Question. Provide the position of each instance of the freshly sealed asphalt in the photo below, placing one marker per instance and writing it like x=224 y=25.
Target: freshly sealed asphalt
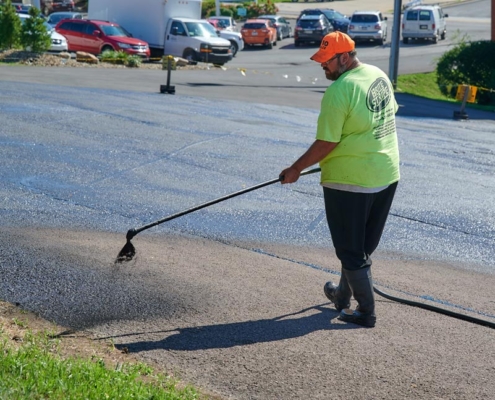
x=229 y=297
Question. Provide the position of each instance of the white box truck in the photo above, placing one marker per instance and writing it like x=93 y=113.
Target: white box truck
x=171 y=27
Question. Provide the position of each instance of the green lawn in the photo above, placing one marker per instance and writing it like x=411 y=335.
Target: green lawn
x=35 y=370
x=425 y=85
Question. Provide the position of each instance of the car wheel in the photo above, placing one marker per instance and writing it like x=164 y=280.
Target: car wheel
x=189 y=55
x=405 y=40
x=234 y=48
x=106 y=48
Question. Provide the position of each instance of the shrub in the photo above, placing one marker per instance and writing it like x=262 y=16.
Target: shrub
x=121 y=57
x=225 y=12
x=34 y=35
x=134 y=61
x=471 y=64
x=253 y=10
x=10 y=26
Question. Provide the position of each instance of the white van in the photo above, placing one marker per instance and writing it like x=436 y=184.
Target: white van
x=424 y=22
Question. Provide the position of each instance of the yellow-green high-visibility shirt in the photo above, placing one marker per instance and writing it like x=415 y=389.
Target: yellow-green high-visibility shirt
x=358 y=112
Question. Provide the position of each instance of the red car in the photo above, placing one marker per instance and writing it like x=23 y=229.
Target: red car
x=93 y=36
x=218 y=24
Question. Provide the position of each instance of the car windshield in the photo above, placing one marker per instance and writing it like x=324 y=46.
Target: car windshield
x=311 y=12
x=331 y=14
x=114 y=30
x=48 y=27
x=201 y=29
x=424 y=15
x=412 y=15
x=309 y=23
x=364 y=18
x=53 y=19
x=225 y=21
x=254 y=25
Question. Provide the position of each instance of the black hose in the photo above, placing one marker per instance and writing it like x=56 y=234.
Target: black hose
x=436 y=309
x=129 y=251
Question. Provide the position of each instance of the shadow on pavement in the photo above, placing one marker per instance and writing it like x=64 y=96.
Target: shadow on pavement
x=415 y=106
x=242 y=333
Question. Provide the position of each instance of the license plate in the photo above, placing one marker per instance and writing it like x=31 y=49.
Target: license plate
x=254 y=33
x=364 y=28
x=423 y=27
x=308 y=31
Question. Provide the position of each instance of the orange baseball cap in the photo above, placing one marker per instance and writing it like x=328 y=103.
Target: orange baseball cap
x=333 y=43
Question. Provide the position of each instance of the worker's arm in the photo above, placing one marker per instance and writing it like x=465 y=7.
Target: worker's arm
x=316 y=152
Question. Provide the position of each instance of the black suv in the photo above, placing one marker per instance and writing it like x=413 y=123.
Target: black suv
x=339 y=21
x=311 y=29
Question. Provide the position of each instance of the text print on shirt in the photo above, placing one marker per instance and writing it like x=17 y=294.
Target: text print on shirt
x=377 y=99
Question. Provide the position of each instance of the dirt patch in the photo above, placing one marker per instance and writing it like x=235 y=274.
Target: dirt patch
x=16 y=323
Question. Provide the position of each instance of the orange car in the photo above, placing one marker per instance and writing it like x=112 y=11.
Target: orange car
x=259 y=31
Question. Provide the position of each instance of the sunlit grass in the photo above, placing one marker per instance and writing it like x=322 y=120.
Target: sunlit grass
x=34 y=370
x=425 y=85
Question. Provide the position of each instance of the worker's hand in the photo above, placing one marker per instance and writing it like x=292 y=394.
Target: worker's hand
x=289 y=175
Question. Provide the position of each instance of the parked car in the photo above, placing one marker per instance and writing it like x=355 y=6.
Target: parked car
x=424 y=22
x=339 y=21
x=368 y=25
x=226 y=22
x=217 y=24
x=21 y=8
x=235 y=38
x=259 y=32
x=281 y=24
x=312 y=29
x=49 y=6
x=61 y=5
x=56 y=17
x=58 y=42
x=94 y=36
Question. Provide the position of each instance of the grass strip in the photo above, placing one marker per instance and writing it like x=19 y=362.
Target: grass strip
x=425 y=85
x=32 y=369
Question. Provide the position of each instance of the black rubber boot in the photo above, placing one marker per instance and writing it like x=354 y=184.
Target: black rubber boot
x=361 y=284
x=339 y=295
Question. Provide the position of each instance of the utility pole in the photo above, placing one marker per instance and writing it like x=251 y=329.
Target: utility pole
x=493 y=17
x=393 y=67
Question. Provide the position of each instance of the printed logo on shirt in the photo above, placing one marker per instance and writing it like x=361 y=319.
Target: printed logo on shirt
x=378 y=96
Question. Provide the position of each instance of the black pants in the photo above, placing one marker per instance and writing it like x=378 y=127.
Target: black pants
x=356 y=222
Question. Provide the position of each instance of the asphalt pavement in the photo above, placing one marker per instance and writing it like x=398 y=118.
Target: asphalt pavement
x=230 y=297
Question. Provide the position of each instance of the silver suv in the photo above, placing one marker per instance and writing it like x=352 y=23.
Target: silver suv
x=368 y=25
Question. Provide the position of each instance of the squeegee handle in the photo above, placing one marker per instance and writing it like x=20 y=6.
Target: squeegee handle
x=135 y=231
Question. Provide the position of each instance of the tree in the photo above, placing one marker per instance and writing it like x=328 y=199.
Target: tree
x=10 y=26
x=470 y=63
x=34 y=35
